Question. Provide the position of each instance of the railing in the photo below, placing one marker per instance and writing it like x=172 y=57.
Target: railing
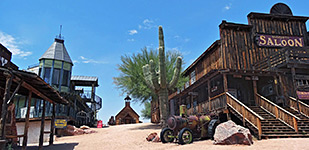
x=279 y=112
x=303 y=108
x=286 y=55
x=86 y=95
x=248 y=115
x=217 y=102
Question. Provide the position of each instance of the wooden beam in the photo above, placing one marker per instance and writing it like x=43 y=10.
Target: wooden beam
x=255 y=92
x=52 y=125
x=41 y=140
x=6 y=97
x=36 y=92
x=208 y=90
x=225 y=83
x=295 y=87
x=16 y=90
x=27 y=121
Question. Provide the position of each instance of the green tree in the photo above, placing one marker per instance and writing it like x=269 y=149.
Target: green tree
x=146 y=112
x=131 y=79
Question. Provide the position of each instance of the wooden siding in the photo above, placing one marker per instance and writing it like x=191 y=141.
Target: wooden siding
x=239 y=48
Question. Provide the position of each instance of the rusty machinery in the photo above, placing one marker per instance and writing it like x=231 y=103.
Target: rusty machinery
x=184 y=129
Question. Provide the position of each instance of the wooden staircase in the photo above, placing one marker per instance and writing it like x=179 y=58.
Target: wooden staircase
x=272 y=127
x=303 y=123
x=269 y=120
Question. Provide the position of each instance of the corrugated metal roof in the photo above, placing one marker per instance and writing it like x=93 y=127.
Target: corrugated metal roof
x=84 y=78
x=57 y=51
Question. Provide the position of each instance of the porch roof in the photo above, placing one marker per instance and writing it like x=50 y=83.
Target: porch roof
x=31 y=82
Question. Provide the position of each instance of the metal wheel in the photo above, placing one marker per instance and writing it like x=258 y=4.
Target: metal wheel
x=167 y=135
x=185 y=136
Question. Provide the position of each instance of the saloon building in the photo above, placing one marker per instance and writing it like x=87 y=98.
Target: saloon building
x=256 y=74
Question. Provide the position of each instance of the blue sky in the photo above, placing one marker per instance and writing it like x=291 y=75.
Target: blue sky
x=97 y=33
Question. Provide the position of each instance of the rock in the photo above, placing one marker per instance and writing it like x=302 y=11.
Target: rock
x=78 y=131
x=153 y=137
x=84 y=127
x=88 y=131
x=228 y=133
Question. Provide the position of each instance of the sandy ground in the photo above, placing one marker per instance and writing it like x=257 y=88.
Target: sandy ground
x=132 y=137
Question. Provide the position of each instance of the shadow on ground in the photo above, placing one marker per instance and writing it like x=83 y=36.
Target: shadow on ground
x=64 y=146
x=150 y=126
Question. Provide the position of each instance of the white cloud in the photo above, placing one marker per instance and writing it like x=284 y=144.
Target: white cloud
x=147 y=24
x=181 y=39
x=228 y=7
x=87 y=61
x=131 y=40
x=132 y=32
x=10 y=42
x=75 y=61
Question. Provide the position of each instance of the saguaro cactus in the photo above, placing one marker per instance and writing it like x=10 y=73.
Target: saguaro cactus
x=157 y=80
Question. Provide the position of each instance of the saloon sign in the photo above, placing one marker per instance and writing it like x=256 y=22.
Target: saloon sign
x=279 y=41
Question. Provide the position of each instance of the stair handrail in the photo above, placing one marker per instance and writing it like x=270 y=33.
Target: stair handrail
x=246 y=107
x=279 y=112
x=304 y=108
x=247 y=113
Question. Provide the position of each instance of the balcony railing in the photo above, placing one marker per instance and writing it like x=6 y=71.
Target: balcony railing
x=283 y=57
x=97 y=99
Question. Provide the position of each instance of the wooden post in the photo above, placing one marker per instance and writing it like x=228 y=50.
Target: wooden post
x=259 y=127
x=283 y=90
x=243 y=116
x=27 y=121
x=52 y=126
x=255 y=92
x=93 y=103
x=295 y=87
x=209 y=106
x=295 y=124
x=6 y=97
x=41 y=140
x=276 y=112
x=276 y=86
x=225 y=83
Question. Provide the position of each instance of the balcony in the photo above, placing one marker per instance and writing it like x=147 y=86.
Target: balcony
x=285 y=58
x=86 y=96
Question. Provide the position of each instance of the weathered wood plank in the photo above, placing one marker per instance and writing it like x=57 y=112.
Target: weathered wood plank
x=41 y=140
x=27 y=121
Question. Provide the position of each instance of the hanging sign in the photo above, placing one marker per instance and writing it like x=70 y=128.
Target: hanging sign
x=279 y=41
x=303 y=95
x=60 y=123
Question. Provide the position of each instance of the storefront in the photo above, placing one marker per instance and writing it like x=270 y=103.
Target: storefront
x=266 y=59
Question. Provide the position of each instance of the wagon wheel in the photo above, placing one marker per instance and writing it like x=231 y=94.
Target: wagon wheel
x=167 y=135
x=185 y=136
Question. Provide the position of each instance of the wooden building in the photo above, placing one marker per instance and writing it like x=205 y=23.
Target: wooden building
x=13 y=82
x=127 y=115
x=256 y=74
x=55 y=68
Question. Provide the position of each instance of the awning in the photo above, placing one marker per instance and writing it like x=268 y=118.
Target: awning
x=31 y=82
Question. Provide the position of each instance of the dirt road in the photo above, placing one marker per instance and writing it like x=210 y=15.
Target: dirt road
x=132 y=137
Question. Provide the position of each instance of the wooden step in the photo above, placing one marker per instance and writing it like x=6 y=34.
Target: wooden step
x=279 y=132
x=286 y=136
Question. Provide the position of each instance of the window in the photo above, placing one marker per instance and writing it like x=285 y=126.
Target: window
x=193 y=77
x=56 y=76
x=65 y=78
x=187 y=84
x=47 y=75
